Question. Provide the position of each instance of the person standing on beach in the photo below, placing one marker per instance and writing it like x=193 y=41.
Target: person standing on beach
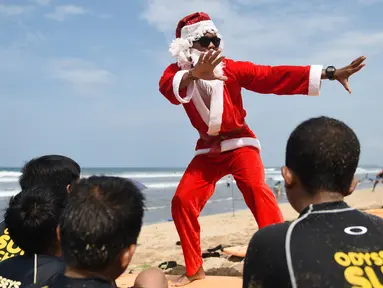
x=379 y=177
x=278 y=188
x=209 y=88
x=330 y=244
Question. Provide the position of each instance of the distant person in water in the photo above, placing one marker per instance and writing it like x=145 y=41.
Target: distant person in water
x=379 y=177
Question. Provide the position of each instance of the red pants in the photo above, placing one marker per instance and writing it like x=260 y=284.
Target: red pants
x=197 y=186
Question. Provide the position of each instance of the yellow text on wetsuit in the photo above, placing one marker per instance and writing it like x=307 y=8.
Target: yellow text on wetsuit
x=8 y=248
x=8 y=283
x=360 y=268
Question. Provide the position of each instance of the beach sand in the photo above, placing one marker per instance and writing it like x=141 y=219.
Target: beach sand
x=157 y=242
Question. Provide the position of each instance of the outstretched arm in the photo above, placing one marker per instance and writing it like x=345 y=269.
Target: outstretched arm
x=173 y=84
x=279 y=80
x=291 y=80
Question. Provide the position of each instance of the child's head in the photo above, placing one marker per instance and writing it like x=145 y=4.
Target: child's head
x=54 y=171
x=32 y=219
x=101 y=224
x=322 y=155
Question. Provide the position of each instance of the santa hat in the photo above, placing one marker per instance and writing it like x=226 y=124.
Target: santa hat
x=190 y=29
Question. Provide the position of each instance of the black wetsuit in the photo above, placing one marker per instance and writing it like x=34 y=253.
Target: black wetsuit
x=329 y=245
x=20 y=271
x=65 y=282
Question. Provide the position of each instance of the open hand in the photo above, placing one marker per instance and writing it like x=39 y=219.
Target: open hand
x=344 y=73
x=204 y=69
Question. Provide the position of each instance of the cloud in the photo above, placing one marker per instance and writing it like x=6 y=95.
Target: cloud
x=352 y=44
x=12 y=10
x=369 y=2
x=81 y=77
x=80 y=72
x=267 y=31
x=61 y=13
x=41 y=2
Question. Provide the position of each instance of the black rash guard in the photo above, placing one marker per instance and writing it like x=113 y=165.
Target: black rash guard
x=22 y=271
x=63 y=281
x=329 y=245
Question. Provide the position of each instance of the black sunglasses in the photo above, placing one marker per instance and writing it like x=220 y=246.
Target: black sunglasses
x=205 y=41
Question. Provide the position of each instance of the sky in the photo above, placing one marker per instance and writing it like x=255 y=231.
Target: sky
x=80 y=78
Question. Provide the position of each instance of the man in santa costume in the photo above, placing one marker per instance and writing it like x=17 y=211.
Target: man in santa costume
x=209 y=88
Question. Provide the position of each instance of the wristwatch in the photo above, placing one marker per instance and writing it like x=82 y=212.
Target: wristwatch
x=330 y=72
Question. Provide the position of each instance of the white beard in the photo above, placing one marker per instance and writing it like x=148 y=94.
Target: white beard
x=206 y=86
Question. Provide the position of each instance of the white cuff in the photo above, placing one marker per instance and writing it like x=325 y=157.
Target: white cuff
x=315 y=80
x=176 y=87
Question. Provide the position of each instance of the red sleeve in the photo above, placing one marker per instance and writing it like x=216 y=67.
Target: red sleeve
x=170 y=83
x=279 y=80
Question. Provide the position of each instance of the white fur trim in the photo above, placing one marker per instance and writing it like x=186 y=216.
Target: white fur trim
x=216 y=108
x=315 y=80
x=178 y=45
x=198 y=29
x=180 y=49
x=235 y=143
x=176 y=87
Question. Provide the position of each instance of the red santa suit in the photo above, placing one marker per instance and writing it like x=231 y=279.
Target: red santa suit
x=226 y=144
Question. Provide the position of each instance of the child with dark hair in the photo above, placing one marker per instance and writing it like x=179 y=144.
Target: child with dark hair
x=330 y=244
x=54 y=171
x=32 y=219
x=99 y=231
x=50 y=170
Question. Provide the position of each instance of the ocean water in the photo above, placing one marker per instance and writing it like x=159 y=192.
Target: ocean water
x=161 y=184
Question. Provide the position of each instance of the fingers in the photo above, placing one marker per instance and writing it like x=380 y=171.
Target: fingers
x=358 y=61
x=208 y=56
x=200 y=58
x=346 y=86
x=216 y=55
x=358 y=68
x=217 y=61
x=211 y=56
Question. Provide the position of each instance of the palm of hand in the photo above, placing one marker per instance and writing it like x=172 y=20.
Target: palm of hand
x=206 y=64
x=204 y=71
